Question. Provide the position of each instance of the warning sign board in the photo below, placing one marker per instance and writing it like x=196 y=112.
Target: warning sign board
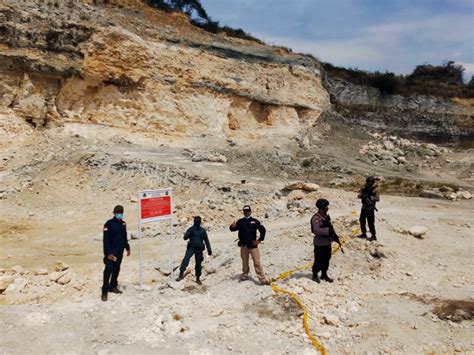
x=155 y=205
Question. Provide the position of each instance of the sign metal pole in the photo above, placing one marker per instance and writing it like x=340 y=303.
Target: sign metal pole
x=171 y=248
x=139 y=233
x=171 y=237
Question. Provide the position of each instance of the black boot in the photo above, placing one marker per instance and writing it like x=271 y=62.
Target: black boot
x=180 y=277
x=325 y=277
x=371 y=239
x=104 y=296
x=115 y=290
x=362 y=235
x=316 y=278
x=198 y=281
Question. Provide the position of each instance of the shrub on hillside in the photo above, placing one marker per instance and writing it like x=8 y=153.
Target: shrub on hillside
x=198 y=16
x=443 y=80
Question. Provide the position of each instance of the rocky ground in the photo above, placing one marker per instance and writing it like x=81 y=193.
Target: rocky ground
x=409 y=292
x=102 y=99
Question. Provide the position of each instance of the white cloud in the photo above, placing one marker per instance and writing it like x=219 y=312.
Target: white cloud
x=394 y=36
x=394 y=46
x=469 y=72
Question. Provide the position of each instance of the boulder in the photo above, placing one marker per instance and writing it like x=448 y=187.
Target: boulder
x=60 y=266
x=331 y=319
x=211 y=157
x=388 y=145
x=417 y=231
x=453 y=196
x=64 y=279
x=378 y=252
x=55 y=276
x=431 y=194
x=16 y=286
x=17 y=269
x=308 y=186
x=445 y=189
x=5 y=281
x=217 y=158
x=293 y=186
x=302 y=204
x=41 y=271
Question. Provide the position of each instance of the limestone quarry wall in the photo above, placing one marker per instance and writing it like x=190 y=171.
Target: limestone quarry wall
x=123 y=64
x=425 y=117
x=127 y=67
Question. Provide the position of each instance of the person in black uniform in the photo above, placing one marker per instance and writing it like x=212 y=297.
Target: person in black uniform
x=248 y=243
x=115 y=242
x=198 y=242
x=369 y=196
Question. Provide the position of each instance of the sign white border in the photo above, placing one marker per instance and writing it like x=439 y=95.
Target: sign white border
x=155 y=193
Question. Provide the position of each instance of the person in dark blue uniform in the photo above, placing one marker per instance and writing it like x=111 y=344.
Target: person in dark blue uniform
x=115 y=242
x=197 y=243
x=248 y=243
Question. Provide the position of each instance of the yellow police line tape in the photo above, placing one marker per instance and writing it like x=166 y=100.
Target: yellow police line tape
x=288 y=273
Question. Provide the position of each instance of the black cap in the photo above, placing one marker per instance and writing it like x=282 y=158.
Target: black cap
x=322 y=203
x=246 y=208
x=370 y=180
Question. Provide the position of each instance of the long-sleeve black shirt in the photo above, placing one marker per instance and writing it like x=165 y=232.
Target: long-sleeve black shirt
x=248 y=231
x=198 y=238
x=115 y=237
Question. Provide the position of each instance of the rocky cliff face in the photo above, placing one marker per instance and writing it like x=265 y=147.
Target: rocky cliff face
x=424 y=117
x=120 y=63
x=126 y=65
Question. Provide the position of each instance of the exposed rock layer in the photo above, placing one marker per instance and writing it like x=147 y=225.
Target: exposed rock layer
x=121 y=63
x=129 y=67
x=424 y=117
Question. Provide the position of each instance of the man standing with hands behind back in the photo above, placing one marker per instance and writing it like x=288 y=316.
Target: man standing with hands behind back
x=115 y=242
x=248 y=243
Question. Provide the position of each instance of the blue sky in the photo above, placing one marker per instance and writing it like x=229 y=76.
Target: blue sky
x=394 y=35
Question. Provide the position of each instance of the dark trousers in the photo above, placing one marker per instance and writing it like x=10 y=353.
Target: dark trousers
x=198 y=253
x=111 y=273
x=322 y=255
x=368 y=215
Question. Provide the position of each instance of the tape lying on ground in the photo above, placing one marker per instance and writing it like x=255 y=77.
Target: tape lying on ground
x=287 y=274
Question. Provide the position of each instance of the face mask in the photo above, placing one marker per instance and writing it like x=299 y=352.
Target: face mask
x=119 y=215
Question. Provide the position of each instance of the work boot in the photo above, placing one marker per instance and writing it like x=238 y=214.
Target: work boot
x=104 y=296
x=243 y=278
x=362 y=235
x=316 y=278
x=180 y=277
x=325 y=277
x=371 y=239
x=198 y=281
x=265 y=283
x=115 y=290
